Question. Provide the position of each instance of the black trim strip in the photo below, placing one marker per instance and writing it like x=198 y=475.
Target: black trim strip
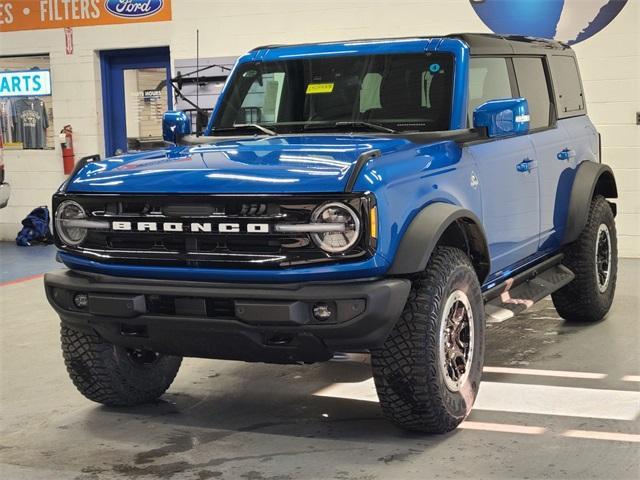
x=360 y=163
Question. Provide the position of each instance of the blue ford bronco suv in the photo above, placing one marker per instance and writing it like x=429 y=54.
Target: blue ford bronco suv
x=381 y=196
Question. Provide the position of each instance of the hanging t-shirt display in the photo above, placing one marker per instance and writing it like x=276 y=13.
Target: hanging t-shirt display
x=7 y=120
x=31 y=123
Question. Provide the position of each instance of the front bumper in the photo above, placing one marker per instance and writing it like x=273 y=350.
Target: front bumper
x=271 y=323
x=5 y=193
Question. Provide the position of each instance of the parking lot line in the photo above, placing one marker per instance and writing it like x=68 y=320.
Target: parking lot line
x=21 y=280
x=595 y=435
x=502 y=427
x=545 y=373
x=525 y=398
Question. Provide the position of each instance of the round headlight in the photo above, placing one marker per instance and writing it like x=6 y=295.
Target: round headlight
x=343 y=238
x=67 y=216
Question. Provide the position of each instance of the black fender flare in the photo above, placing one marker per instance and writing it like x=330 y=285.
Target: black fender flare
x=453 y=224
x=591 y=179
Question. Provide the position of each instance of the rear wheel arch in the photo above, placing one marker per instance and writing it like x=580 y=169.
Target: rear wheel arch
x=591 y=179
x=442 y=224
x=606 y=185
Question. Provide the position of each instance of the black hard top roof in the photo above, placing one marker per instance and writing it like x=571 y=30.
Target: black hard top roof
x=479 y=43
x=493 y=44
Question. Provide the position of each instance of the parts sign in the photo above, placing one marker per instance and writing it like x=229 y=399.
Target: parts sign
x=43 y=14
x=29 y=83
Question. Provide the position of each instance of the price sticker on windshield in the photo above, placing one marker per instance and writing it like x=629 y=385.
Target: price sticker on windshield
x=314 y=88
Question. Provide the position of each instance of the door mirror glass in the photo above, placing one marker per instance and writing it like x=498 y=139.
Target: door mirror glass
x=503 y=118
x=175 y=125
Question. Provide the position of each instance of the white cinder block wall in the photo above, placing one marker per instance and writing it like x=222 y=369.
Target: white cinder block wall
x=610 y=65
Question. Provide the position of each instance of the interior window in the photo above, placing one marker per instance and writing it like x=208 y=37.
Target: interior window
x=569 y=96
x=262 y=102
x=488 y=80
x=532 y=83
x=370 y=92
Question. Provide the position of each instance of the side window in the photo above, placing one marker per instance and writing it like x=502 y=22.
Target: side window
x=532 y=83
x=488 y=80
x=569 y=96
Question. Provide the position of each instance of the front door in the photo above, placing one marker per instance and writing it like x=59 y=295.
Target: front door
x=507 y=171
x=136 y=91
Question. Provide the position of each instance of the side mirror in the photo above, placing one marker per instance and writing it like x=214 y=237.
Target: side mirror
x=175 y=125
x=503 y=118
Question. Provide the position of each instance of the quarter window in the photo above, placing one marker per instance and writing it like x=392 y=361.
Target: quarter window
x=533 y=85
x=488 y=80
x=569 y=96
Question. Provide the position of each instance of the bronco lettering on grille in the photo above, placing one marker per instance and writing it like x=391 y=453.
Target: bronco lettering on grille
x=193 y=227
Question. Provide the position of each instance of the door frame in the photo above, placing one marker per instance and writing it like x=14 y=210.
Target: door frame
x=112 y=65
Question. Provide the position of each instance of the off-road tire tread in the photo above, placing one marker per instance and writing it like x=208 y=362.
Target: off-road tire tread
x=405 y=369
x=580 y=301
x=102 y=374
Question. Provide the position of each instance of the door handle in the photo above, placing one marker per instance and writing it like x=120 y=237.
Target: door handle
x=526 y=165
x=566 y=154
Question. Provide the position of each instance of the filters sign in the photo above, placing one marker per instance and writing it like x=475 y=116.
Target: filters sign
x=44 y=14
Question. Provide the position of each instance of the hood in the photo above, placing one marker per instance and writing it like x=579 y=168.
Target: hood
x=281 y=164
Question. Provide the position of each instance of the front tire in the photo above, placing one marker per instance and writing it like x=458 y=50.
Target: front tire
x=113 y=375
x=428 y=372
x=593 y=258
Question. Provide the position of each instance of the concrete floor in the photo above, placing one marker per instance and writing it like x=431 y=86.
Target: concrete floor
x=557 y=401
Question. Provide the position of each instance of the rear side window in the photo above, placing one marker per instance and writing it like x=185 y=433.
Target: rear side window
x=488 y=80
x=533 y=85
x=569 y=96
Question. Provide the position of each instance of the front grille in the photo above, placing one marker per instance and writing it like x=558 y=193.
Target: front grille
x=242 y=248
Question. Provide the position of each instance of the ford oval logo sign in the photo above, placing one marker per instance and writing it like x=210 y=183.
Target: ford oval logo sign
x=133 y=8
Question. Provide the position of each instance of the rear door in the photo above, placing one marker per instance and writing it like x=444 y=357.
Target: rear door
x=553 y=150
x=510 y=197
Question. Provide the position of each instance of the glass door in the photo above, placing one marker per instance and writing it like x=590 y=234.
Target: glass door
x=145 y=101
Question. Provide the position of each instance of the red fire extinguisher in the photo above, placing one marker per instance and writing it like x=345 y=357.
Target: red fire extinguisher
x=66 y=142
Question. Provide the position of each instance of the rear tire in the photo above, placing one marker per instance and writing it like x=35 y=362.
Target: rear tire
x=426 y=379
x=113 y=375
x=593 y=258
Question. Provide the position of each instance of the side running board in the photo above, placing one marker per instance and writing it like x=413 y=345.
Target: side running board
x=520 y=292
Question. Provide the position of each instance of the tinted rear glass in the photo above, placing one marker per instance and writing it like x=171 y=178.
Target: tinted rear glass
x=566 y=81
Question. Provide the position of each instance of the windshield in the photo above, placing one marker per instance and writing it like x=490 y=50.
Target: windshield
x=402 y=92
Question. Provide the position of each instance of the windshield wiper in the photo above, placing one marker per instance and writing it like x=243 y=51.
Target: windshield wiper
x=372 y=126
x=355 y=123
x=244 y=126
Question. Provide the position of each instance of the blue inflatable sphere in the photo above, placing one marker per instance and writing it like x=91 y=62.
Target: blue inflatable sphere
x=570 y=21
